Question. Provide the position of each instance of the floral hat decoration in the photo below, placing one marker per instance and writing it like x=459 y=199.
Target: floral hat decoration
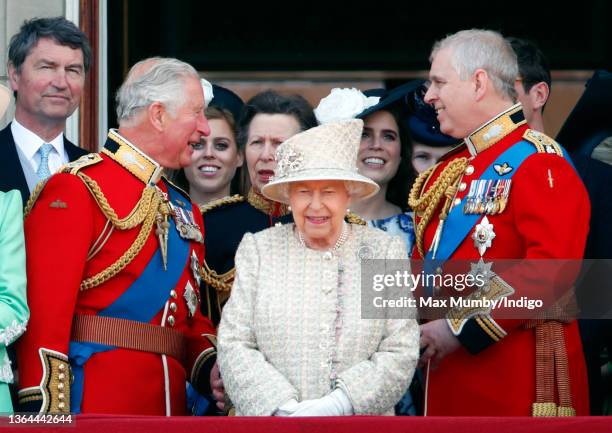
x=326 y=152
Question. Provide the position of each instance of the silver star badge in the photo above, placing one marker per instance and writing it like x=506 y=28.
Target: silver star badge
x=483 y=270
x=191 y=298
x=483 y=235
x=195 y=268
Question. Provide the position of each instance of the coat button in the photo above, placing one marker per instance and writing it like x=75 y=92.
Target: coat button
x=469 y=170
x=457 y=202
x=61 y=405
x=171 y=320
x=173 y=307
x=61 y=396
x=173 y=294
x=462 y=186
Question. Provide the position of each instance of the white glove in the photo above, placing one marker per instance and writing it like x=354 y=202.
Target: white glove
x=335 y=403
x=286 y=409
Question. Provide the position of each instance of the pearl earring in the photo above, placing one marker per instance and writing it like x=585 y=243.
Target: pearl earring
x=289 y=208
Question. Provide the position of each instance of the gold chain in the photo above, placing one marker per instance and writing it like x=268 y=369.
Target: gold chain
x=236 y=198
x=135 y=217
x=130 y=254
x=33 y=197
x=425 y=205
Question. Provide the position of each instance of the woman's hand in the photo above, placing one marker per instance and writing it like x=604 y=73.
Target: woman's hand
x=216 y=384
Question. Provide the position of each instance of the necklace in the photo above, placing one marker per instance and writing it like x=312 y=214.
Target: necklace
x=341 y=240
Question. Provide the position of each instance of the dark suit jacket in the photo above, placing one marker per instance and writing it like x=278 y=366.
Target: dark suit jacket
x=11 y=173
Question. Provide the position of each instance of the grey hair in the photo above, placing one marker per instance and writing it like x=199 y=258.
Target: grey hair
x=152 y=80
x=482 y=49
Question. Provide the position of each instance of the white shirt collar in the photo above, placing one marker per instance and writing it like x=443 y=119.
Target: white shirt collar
x=29 y=142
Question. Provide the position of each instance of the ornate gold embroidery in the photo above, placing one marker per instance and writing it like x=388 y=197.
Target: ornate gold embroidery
x=133 y=159
x=542 y=142
x=495 y=129
x=55 y=384
x=496 y=289
x=268 y=207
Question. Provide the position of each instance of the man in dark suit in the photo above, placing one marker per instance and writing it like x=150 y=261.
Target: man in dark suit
x=48 y=61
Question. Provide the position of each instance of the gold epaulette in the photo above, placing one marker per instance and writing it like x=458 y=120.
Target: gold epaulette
x=72 y=168
x=542 y=142
x=353 y=218
x=84 y=161
x=236 y=198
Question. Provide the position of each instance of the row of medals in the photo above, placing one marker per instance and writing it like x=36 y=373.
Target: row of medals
x=487 y=196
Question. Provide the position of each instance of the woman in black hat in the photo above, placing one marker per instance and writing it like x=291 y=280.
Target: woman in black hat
x=384 y=153
x=428 y=143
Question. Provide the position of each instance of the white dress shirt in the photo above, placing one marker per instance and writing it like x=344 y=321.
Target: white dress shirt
x=29 y=143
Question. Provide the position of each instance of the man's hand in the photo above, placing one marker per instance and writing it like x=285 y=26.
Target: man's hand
x=437 y=340
x=216 y=384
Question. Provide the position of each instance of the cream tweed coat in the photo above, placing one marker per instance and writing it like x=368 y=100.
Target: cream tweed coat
x=290 y=330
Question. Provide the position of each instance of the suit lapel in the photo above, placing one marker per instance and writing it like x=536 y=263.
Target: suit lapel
x=74 y=152
x=11 y=173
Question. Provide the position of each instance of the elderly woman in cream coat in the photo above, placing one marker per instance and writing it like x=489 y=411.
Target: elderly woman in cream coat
x=291 y=339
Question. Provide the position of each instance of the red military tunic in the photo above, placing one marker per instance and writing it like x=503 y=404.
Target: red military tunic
x=493 y=373
x=93 y=250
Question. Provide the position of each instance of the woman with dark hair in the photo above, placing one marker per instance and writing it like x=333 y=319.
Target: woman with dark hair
x=384 y=155
x=214 y=172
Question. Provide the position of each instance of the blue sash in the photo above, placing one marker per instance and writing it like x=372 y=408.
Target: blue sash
x=145 y=297
x=458 y=225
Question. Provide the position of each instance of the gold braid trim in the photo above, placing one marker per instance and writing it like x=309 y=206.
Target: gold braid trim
x=146 y=203
x=353 y=218
x=424 y=204
x=236 y=198
x=222 y=283
x=129 y=255
x=33 y=197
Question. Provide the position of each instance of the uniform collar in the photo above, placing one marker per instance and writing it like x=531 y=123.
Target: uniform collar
x=134 y=160
x=265 y=205
x=495 y=129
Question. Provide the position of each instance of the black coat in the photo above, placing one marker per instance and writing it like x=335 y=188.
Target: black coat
x=11 y=172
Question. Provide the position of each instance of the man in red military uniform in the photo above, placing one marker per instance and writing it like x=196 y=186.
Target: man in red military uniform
x=114 y=257
x=507 y=192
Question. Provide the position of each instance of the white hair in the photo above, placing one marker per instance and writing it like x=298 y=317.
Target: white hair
x=152 y=80
x=482 y=49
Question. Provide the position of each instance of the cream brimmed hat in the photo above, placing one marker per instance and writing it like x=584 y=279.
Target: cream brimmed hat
x=5 y=99
x=326 y=152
